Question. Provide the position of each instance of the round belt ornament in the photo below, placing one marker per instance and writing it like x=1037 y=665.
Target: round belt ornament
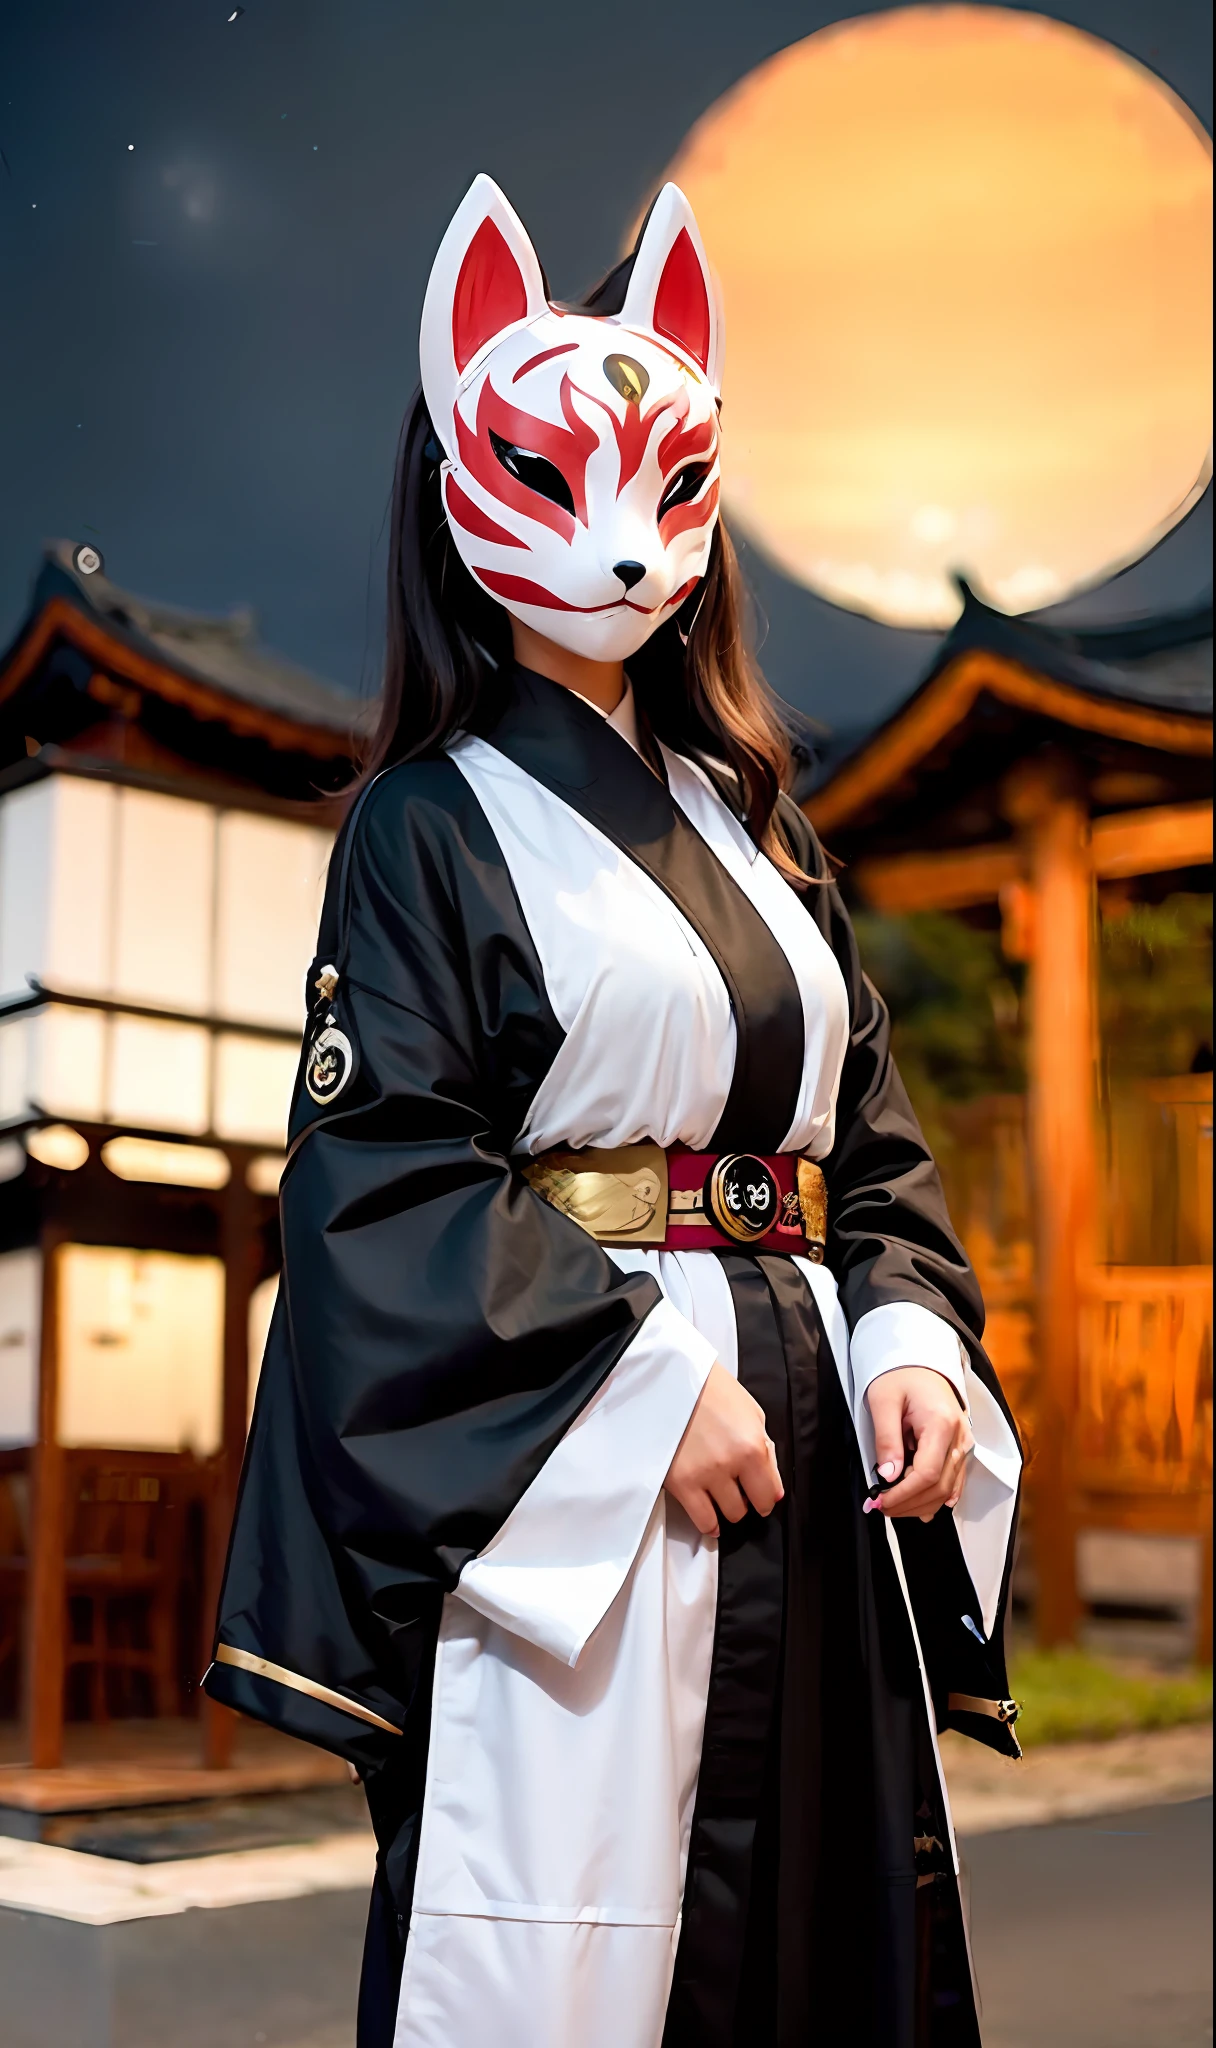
x=742 y=1196
x=331 y=1060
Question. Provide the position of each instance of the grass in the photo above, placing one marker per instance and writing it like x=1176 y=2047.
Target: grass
x=1069 y=1696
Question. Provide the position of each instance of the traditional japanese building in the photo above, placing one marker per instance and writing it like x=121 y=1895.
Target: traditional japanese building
x=1030 y=774
x=168 y=793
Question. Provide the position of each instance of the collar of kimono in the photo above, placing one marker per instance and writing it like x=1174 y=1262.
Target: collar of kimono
x=569 y=747
x=624 y=719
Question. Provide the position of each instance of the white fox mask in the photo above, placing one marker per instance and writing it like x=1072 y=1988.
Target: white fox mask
x=580 y=471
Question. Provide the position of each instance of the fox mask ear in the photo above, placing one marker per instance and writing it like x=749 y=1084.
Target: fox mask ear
x=485 y=279
x=672 y=291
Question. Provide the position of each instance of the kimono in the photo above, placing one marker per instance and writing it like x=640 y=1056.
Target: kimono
x=631 y=1786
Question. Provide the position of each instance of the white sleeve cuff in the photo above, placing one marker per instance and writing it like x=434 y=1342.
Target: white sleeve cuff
x=904 y=1333
x=561 y=1557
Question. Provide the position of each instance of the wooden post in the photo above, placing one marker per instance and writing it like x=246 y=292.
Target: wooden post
x=239 y=1247
x=46 y=1611
x=1044 y=802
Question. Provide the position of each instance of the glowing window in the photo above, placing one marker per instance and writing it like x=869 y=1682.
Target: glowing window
x=271 y=878
x=182 y=1166
x=140 y=1349
x=26 y=833
x=253 y=1083
x=164 y=903
x=20 y=1323
x=264 y=1173
x=16 y=1036
x=56 y=884
x=58 y=1145
x=159 y=1074
x=69 y=1056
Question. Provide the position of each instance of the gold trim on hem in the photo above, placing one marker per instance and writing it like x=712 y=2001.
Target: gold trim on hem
x=261 y=1667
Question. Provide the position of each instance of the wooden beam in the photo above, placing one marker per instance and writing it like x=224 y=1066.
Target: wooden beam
x=938 y=881
x=1152 y=842
x=46 y=1610
x=1126 y=843
x=936 y=710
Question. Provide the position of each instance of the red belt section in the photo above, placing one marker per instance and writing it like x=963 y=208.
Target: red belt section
x=693 y=1173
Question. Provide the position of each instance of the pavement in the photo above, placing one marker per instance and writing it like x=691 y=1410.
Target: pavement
x=106 y=1891
x=1096 y=1933
x=1088 y=1869
x=1071 y=1780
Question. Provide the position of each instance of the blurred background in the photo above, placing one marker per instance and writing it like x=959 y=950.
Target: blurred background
x=966 y=257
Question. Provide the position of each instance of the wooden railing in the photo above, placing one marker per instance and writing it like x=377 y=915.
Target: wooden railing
x=1144 y=1408
x=1139 y=1452
x=1143 y=1445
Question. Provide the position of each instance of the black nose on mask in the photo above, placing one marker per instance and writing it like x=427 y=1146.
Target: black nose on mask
x=629 y=572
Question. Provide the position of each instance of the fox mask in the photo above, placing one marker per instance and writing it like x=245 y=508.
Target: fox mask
x=580 y=452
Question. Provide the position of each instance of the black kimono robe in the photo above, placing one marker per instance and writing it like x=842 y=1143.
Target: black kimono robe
x=630 y=1785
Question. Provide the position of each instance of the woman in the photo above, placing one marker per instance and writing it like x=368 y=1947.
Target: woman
x=628 y=1498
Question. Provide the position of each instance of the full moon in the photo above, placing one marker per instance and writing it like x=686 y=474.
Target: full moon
x=966 y=261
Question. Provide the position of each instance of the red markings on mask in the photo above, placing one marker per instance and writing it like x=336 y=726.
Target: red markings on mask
x=633 y=436
x=634 y=431
x=683 y=517
x=490 y=293
x=684 y=442
x=568 y=448
x=681 y=304
x=546 y=355
x=473 y=520
x=519 y=590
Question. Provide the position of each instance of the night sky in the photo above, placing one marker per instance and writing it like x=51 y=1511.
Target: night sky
x=207 y=340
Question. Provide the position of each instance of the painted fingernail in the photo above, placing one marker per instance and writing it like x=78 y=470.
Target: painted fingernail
x=888 y=1470
x=868 y=1506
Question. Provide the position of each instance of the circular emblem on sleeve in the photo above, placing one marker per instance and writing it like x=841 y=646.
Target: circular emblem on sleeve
x=331 y=1060
x=742 y=1196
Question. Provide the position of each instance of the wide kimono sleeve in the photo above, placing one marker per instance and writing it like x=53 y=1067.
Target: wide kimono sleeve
x=442 y=1329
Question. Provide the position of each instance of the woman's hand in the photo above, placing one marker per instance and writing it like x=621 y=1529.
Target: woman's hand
x=916 y=1415
x=726 y=1462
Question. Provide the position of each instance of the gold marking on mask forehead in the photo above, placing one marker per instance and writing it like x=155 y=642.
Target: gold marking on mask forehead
x=628 y=377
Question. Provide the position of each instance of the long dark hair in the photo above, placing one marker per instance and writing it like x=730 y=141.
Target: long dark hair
x=696 y=680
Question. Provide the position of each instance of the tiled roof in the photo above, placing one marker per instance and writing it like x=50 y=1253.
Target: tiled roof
x=1166 y=662
x=223 y=653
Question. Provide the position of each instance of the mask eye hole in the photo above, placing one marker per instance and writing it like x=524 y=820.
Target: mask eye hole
x=541 y=476
x=685 y=487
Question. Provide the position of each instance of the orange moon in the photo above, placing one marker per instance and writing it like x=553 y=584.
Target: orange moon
x=966 y=261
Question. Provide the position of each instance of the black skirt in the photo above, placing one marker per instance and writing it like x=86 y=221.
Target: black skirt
x=820 y=1906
